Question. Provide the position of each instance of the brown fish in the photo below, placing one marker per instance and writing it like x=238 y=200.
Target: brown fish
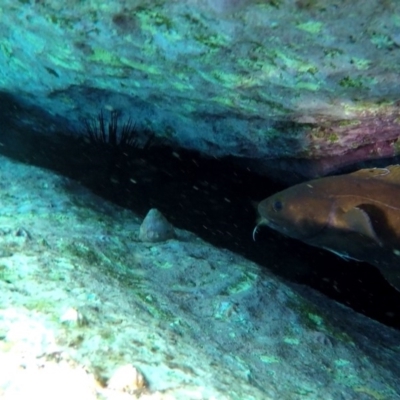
x=356 y=216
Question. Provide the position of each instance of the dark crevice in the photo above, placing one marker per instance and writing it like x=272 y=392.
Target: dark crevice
x=213 y=198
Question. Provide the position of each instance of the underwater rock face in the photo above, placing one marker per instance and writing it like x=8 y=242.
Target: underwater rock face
x=156 y=228
x=311 y=81
x=85 y=317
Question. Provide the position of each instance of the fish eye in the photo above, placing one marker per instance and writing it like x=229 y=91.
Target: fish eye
x=277 y=206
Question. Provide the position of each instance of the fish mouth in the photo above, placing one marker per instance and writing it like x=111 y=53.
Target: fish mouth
x=271 y=224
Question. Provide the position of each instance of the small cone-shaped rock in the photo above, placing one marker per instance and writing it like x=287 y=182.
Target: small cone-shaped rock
x=156 y=228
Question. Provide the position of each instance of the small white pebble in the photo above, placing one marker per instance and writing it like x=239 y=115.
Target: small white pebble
x=73 y=317
x=126 y=379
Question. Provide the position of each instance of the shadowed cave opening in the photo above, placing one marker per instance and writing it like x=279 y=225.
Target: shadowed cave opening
x=214 y=198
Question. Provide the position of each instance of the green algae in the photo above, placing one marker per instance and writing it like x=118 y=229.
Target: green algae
x=105 y=57
x=291 y=340
x=313 y=27
x=151 y=19
x=65 y=61
x=183 y=84
x=7 y=275
x=84 y=252
x=317 y=319
x=150 y=303
x=312 y=87
x=293 y=61
x=45 y=305
x=224 y=101
x=36 y=43
x=108 y=58
x=333 y=52
x=212 y=41
x=381 y=40
x=333 y=138
x=163 y=264
x=6 y=48
x=311 y=318
x=348 y=122
x=268 y=359
x=360 y=63
x=349 y=82
x=110 y=263
x=372 y=393
x=147 y=68
x=246 y=282
x=160 y=20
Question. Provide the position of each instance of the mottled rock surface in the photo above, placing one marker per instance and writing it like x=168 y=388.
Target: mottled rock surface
x=311 y=83
x=88 y=311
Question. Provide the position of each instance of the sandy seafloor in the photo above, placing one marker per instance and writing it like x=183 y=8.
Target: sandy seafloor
x=88 y=311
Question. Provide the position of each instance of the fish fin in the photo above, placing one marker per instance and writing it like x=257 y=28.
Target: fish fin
x=343 y=256
x=359 y=221
x=389 y=174
x=392 y=277
x=394 y=174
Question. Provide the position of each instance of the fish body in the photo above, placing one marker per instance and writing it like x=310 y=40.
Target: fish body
x=356 y=216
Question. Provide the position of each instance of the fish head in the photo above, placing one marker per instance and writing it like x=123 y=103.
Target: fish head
x=300 y=212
